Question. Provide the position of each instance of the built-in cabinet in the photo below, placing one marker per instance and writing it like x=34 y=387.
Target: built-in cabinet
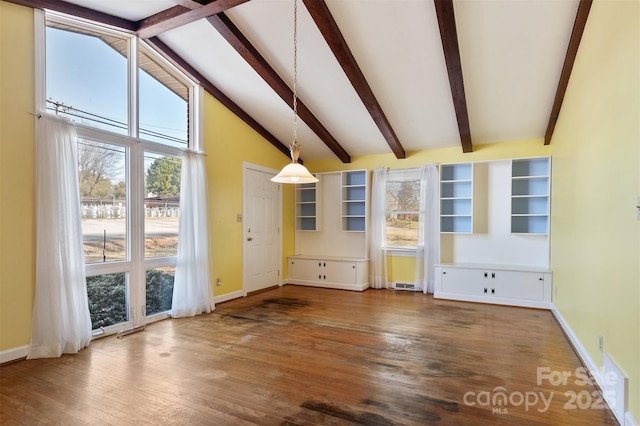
x=335 y=253
x=330 y=272
x=494 y=224
x=499 y=284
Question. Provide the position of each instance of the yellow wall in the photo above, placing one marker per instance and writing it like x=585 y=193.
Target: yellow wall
x=595 y=253
x=229 y=142
x=17 y=175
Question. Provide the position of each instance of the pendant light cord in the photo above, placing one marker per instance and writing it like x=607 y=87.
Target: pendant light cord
x=295 y=70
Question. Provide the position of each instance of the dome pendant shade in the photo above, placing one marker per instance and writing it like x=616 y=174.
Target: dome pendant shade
x=294 y=173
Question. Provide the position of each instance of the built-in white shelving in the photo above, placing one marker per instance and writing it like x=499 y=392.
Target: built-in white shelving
x=354 y=201
x=307 y=207
x=530 y=183
x=456 y=198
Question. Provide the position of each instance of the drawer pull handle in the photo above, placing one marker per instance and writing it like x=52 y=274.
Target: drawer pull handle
x=485 y=290
x=493 y=291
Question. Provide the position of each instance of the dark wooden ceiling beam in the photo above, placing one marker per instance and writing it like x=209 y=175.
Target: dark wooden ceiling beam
x=572 y=50
x=191 y=4
x=79 y=11
x=449 y=37
x=180 y=15
x=239 y=42
x=216 y=93
x=334 y=38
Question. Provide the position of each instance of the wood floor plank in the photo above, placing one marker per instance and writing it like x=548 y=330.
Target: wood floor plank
x=308 y=356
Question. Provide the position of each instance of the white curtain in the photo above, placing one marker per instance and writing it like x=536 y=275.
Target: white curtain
x=428 y=247
x=377 y=250
x=192 y=292
x=61 y=322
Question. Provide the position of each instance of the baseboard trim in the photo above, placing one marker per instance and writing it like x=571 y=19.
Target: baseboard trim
x=14 y=354
x=588 y=362
x=228 y=296
x=326 y=284
x=493 y=300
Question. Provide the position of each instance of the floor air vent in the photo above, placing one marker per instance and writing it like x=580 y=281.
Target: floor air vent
x=404 y=286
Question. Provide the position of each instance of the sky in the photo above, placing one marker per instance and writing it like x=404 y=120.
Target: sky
x=87 y=74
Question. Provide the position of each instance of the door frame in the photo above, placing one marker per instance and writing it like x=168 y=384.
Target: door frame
x=246 y=166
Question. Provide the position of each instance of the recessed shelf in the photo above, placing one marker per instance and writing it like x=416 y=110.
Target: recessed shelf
x=456 y=198
x=530 y=182
x=307 y=207
x=354 y=201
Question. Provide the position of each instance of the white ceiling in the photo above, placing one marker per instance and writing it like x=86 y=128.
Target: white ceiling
x=512 y=52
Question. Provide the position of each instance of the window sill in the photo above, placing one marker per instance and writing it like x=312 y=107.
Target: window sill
x=401 y=252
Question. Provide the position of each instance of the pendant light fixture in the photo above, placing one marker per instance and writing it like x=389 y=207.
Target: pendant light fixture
x=295 y=172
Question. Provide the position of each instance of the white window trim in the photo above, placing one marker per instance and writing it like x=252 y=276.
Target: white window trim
x=393 y=175
x=135 y=265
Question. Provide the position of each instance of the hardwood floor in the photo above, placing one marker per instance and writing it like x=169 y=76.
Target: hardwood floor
x=307 y=356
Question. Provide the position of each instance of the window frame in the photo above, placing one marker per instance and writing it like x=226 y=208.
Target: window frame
x=402 y=175
x=135 y=265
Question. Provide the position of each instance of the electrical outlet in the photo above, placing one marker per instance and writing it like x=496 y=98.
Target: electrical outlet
x=601 y=343
x=218 y=281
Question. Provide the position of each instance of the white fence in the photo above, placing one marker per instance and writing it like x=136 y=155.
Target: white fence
x=118 y=211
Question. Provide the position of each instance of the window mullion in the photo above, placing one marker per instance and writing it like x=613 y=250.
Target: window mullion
x=136 y=233
x=133 y=88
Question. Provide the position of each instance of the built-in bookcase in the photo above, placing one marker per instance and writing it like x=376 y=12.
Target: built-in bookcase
x=530 y=183
x=308 y=207
x=354 y=201
x=496 y=212
x=456 y=201
x=331 y=241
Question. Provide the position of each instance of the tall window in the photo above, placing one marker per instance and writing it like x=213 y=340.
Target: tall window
x=132 y=128
x=403 y=208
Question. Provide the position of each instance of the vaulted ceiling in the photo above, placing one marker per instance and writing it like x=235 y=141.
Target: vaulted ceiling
x=374 y=76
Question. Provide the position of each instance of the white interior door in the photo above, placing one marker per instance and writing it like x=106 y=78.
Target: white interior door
x=262 y=219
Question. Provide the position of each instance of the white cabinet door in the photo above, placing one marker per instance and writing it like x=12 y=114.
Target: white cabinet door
x=339 y=272
x=462 y=281
x=304 y=269
x=519 y=285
